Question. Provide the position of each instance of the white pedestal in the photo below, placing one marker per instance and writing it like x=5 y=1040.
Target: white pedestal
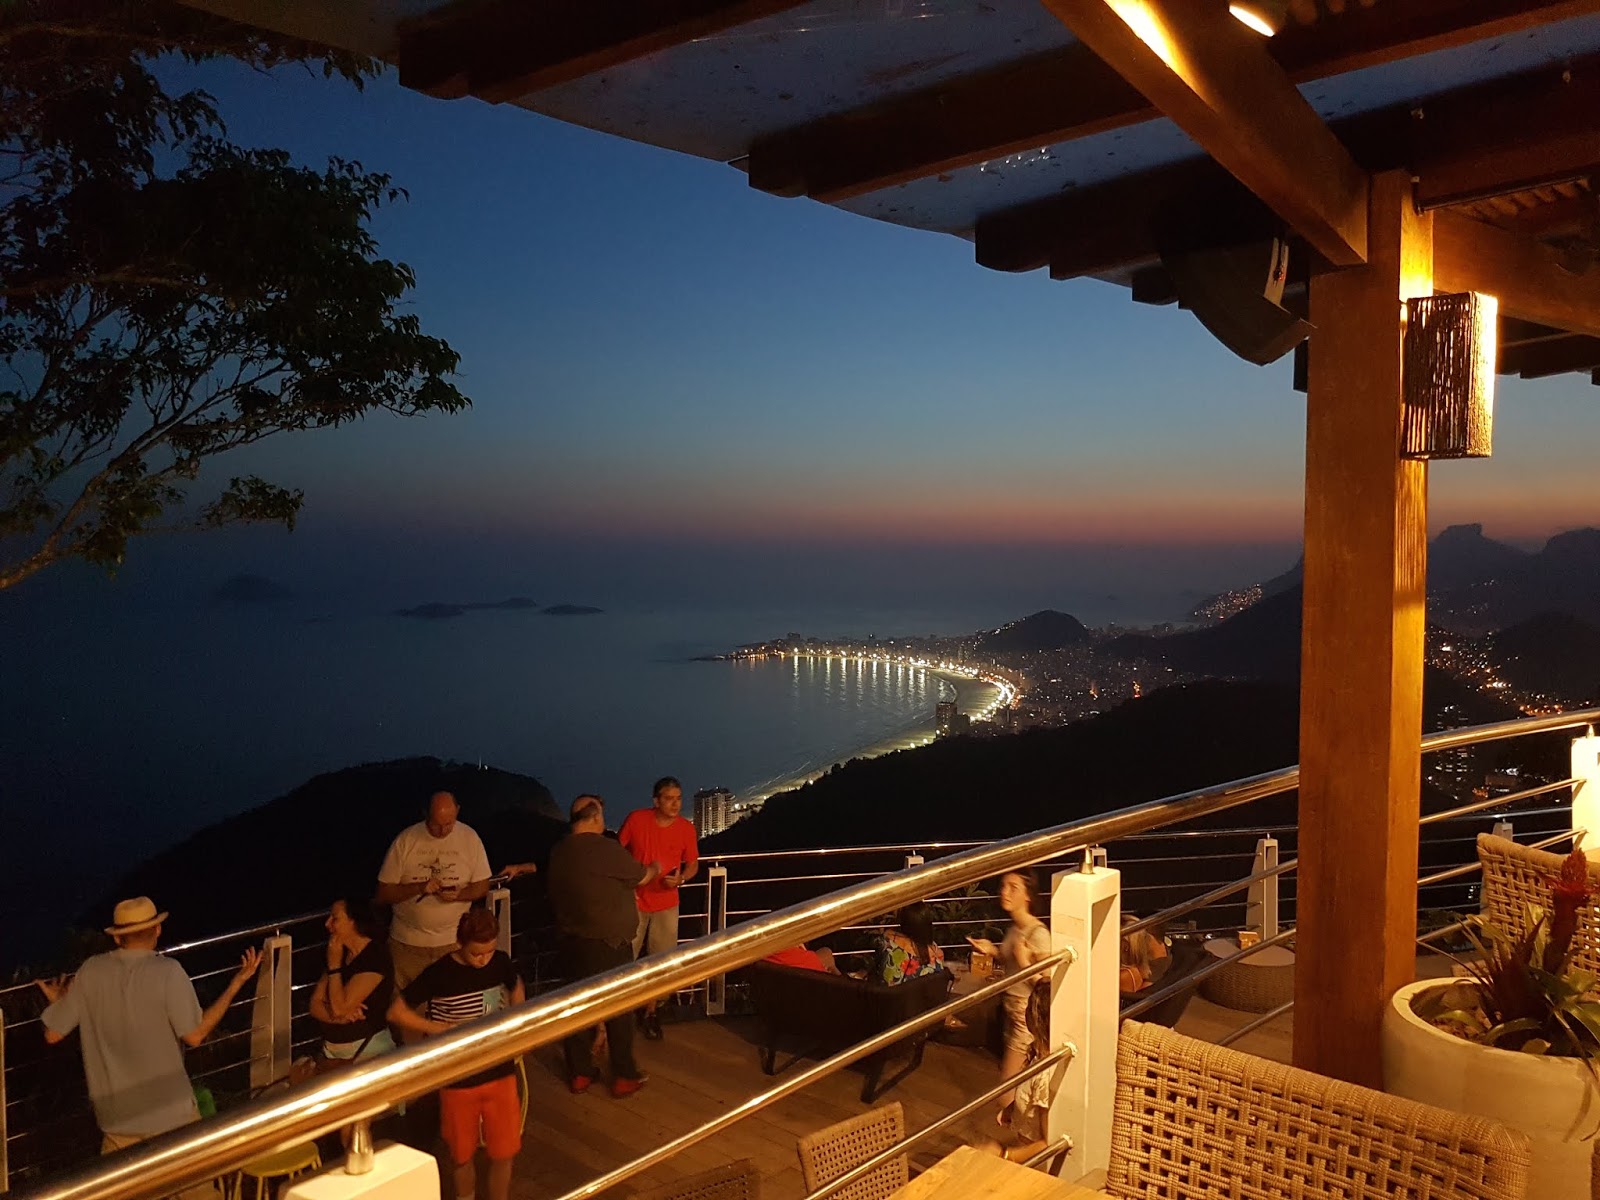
x=398 y=1173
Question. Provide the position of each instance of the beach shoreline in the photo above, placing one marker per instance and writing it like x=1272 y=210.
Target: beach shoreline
x=983 y=696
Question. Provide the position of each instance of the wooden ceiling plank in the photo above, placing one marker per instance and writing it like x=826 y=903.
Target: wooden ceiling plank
x=1528 y=278
x=1070 y=93
x=1557 y=356
x=1213 y=77
x=508 y=49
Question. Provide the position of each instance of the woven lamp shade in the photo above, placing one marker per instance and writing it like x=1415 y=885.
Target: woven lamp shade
x=1449 y=376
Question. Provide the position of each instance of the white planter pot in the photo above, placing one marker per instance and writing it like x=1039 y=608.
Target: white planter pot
x=1552 y=1100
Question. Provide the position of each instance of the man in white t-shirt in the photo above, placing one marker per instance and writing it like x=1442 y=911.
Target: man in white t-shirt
x=432 y=873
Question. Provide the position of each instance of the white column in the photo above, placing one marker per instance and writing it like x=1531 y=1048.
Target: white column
x=716 y=922
x=271 y=1045
x=1586 y=795
x=1086 y=918
x=1262 y=910
x=397 y=1173
x=500 y=906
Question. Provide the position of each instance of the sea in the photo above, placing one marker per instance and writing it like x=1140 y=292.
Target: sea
x=128 y=726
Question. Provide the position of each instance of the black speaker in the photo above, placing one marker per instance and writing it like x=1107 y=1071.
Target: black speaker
x=1237 y=293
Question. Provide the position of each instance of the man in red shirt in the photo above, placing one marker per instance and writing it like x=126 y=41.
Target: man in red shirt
x=661 y=836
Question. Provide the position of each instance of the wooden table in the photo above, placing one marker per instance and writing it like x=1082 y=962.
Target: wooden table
x=968 y=1174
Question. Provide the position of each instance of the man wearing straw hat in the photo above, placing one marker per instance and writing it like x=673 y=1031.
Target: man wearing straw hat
x=134 y=1008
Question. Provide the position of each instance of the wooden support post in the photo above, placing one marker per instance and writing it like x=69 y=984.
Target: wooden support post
x=1362 y=651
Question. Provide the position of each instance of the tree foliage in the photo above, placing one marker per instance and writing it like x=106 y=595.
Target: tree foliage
x=166 y=295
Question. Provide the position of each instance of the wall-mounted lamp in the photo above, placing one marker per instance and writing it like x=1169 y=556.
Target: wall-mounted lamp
x=1266 y=17
x=1448 y=376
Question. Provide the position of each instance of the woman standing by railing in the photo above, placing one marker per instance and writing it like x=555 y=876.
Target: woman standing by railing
x=1025 y=942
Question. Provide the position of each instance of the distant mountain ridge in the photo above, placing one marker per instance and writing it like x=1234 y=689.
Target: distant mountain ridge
x=1043 y=630
x=1551 y=653
x=1477 y=584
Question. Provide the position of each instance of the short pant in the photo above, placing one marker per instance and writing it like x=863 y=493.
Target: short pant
x=494 y=1107
x=1014 y=1010
x=657 y=932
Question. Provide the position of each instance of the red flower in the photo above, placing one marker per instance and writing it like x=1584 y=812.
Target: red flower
x=1569 y=894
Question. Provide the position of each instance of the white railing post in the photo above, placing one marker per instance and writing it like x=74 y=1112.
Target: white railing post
x=1503 y=828
x=1086 y=918
x=1261 y=912
x=271 y=1045
x=1098 y=857
x=913 y=859
x=1586 y=794
x=716 y=922
x=500 y=906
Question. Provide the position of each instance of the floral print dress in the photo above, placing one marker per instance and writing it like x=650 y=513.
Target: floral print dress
x=896 y=959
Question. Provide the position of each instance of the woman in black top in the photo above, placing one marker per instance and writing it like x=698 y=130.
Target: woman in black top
x=354 y=993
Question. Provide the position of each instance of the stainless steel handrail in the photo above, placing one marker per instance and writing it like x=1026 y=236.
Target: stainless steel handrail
x=1475 y=735
x=1477 y=806
x=1469 y=868
x=1183 y=908
x=207 y=1149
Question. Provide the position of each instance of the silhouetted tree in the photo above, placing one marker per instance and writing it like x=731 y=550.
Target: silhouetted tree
x=166 y=295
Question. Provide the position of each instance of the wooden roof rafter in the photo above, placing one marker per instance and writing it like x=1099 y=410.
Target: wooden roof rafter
x=1489 y=137
x=501 y=50
x=1071 y=93
x=1214 y=78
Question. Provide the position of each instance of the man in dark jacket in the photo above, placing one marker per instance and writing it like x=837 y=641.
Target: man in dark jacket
x=591 y=883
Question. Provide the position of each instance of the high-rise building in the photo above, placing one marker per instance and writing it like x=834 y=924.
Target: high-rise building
x=944 y=714
x=713 y=811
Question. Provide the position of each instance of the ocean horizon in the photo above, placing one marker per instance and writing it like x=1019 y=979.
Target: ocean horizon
x=133 y=725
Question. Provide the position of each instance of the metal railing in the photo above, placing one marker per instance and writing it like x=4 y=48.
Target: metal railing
x=206 y=1150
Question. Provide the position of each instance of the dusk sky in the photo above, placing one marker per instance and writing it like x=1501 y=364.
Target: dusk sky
x=656 y=353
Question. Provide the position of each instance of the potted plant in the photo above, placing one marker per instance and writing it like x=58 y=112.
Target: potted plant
x=1516 y=1039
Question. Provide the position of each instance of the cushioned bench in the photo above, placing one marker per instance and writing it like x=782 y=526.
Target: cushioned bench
x=828 y=1012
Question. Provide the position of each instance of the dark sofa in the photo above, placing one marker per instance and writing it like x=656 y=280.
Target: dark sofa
x=828 y=1012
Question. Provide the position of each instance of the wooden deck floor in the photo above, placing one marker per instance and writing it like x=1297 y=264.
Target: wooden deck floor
x=703 y=1067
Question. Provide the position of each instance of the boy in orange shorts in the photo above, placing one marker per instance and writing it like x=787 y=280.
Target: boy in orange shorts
x=474 y=979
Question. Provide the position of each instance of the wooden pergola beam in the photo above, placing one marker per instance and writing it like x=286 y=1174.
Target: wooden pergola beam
x=1529 y=278
x=1214 y=78
x=1558 y=356
x=507 y=49
x=1070 y=93
x=1533 y=126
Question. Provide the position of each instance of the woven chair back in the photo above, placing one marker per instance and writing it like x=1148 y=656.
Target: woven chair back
x=1193 y=1119
x=829 y=1153
x=1516 y=878
x=736 y=1181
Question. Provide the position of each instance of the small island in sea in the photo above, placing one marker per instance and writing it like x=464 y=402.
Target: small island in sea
x=570 y=610
x=437 y=611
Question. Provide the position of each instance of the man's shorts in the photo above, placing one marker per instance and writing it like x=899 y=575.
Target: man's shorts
x=657 y=932
x=493 y=1107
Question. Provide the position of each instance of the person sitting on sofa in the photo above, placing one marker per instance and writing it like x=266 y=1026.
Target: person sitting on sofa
x=1144 y=959
x=908 y=951
x=820 y=959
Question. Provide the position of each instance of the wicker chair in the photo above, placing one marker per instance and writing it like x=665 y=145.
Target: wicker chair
x=735 y=1181
x=1515 y=878
x=829 y=1153
x=1193 y=1119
